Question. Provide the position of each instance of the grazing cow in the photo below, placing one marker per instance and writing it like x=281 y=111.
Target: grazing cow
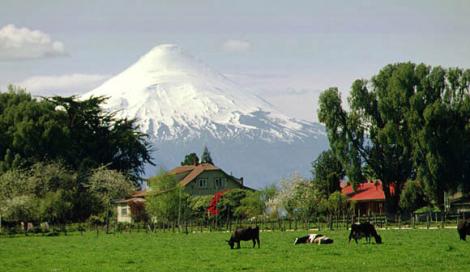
x=244 y=234
x=463 y=229
x=364 y=230
x=313 y=239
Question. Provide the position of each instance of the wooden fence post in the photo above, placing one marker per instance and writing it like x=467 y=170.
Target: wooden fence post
x=442 y=220
x=428 y=223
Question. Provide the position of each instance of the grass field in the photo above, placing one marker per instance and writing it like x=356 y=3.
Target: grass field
x=403 y=250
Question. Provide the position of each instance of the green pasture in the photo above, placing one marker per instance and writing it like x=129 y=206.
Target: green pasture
x=403 y=250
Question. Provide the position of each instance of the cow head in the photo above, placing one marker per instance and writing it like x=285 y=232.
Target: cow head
x=378 y=239
x=231 y=243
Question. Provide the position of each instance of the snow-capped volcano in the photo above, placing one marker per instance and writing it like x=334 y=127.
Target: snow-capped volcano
x=183 y=105
x=174 y=95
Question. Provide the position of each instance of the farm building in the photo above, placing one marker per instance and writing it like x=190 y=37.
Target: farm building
x=201 y=179
x=458 y=202
x=123 y=207
x=205 y=179
x=369 y=197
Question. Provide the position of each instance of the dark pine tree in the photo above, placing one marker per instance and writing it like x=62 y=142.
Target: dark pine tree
x=206 y=156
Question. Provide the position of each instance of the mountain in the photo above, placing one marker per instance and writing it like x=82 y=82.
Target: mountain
x=183 y=105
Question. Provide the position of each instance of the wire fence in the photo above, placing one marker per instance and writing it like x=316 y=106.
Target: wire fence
x=433 y=220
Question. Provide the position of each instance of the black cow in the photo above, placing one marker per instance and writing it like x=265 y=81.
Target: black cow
x=463 y=229
x=244 y=234
x=364 y=230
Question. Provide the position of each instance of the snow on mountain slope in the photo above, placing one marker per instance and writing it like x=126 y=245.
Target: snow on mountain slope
x=183 y=105
x=174 y=95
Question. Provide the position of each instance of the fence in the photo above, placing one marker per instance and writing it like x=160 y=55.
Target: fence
x=321 y=223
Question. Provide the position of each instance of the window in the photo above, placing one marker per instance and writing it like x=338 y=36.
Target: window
x=202 y=183
x=124 y=211
x=219 y=182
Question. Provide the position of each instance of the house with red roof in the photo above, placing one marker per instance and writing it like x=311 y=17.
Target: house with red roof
x=368 y=197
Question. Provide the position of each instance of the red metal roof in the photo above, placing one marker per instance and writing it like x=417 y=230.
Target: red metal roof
x=366 y=191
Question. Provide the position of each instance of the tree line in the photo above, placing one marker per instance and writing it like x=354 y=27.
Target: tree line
x=408 y=126
x=62 y=159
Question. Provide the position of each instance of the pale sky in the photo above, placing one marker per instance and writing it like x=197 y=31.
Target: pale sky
x=286 y=52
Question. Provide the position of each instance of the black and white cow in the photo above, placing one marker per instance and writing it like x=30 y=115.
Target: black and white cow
x=313 y=239
x=364 y=230
x=244 y=234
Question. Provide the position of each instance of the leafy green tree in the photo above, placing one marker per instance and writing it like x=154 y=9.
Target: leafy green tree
x=268 y=196
x=252 y=205
x=413 y=196
x=373 y=138
x=206 y=156
x=335 y=204
x=22 y=208
x=100 y=138
x=46 y=192
x=108 y=185
x=229 y=202
x=167 y=202
x=44 y=178
x=16 y=201
x=296 y=198
x=55 y=188
x=190 y=159
x=14 y=182
x=30 y=130
x=79 y=133
x=199 y=206
x=327 y=172
x=408 y=122
x=56 y=207
x=439 y=122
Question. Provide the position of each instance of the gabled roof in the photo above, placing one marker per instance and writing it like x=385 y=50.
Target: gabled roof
x=193 y=171
x=367 y=191
x=128 y=200
x=189 y=173
x=182 y=169
x=138 y=194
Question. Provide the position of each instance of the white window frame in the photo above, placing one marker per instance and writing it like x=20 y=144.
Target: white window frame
x=124 y=211
x=219 y=182
x=202 y=183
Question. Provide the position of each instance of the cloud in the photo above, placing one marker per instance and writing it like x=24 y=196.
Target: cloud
x=236 y=46
x=71 y=84
x=24 y=43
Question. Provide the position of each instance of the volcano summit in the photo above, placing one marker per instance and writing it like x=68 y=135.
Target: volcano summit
x=182 y=104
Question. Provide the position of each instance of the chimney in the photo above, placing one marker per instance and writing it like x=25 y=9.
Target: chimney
x=241 y=180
